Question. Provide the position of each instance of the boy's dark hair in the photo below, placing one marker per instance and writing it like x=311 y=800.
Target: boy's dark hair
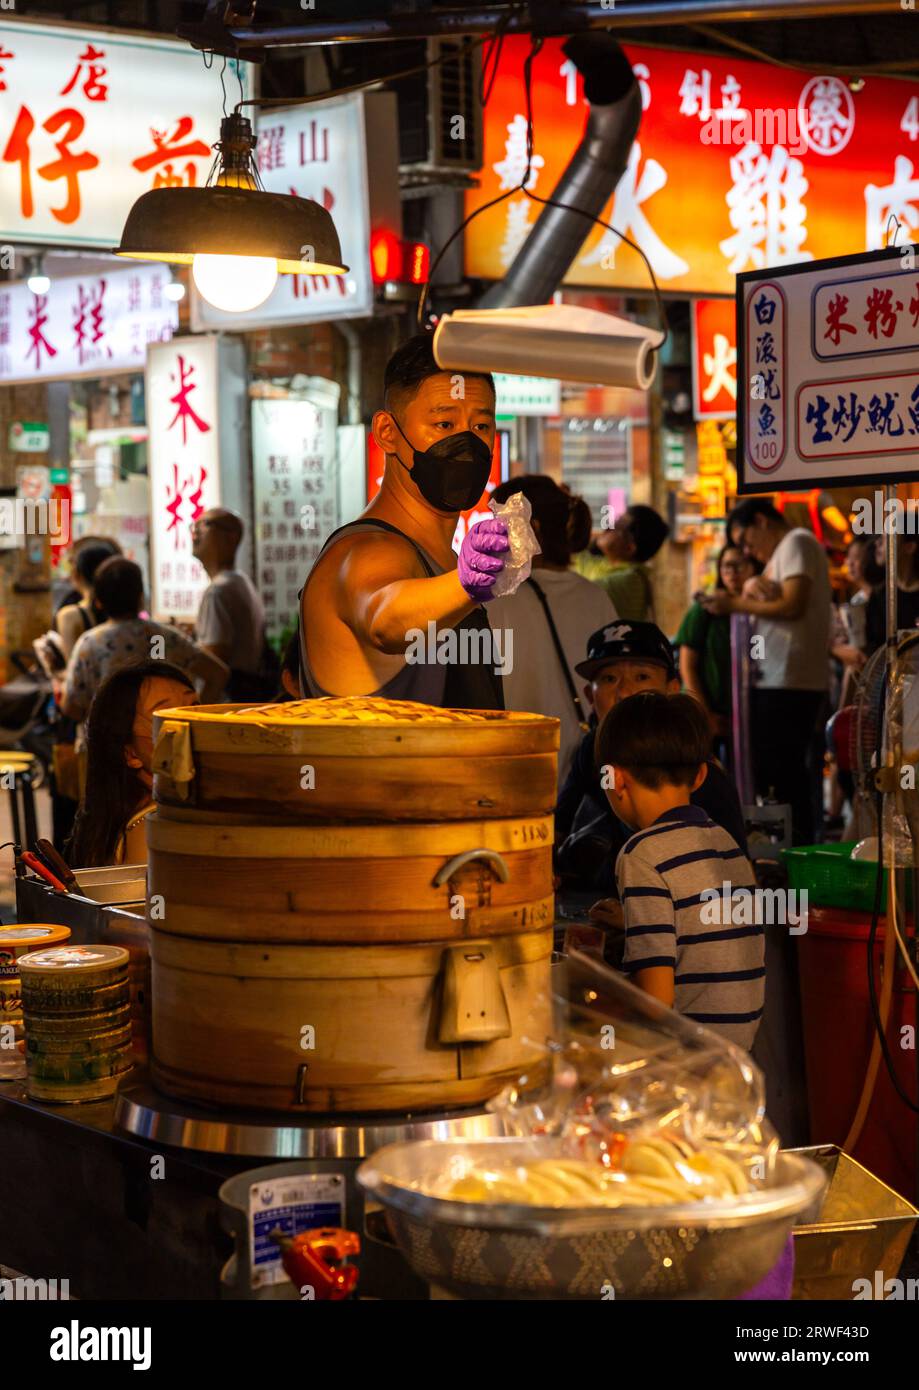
x=660 y=739
x=648 y=530
x=411 y=364
x=118 y=588
x=746 y=512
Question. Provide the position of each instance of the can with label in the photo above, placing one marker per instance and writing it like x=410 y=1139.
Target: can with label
x=16 y=942
x=77 y=1016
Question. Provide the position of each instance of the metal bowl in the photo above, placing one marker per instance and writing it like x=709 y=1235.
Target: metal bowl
x=711 y=1249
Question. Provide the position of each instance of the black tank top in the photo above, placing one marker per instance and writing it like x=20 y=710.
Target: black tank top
x=454 y=686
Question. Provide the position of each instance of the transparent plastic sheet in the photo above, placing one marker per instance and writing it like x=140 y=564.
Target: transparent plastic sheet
x=624 y=1070
x=516 y=512
x=554 y=1208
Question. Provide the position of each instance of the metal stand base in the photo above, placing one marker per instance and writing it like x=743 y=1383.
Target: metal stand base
x=143 y=1111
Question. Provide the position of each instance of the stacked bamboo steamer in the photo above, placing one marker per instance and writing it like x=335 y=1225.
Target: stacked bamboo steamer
x=350 y=903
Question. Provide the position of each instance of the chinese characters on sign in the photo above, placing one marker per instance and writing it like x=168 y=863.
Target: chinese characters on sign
x=294 y=455
x=714 y=359
x=830 y=366
x=89 y=122
x=184 y=464
x=738 y=166
x=85 y=324
x=317 y=152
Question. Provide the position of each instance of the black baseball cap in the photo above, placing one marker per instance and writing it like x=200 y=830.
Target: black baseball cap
x=622 y=641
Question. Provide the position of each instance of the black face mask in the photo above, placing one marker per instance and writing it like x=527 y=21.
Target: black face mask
x=452 y=474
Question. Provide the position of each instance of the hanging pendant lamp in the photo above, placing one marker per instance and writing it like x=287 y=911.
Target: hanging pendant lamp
x=236 y=237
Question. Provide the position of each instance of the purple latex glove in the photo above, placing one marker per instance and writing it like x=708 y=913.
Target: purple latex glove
x=481 y=558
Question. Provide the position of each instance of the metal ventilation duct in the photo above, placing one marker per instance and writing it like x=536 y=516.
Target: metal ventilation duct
x=596 y=167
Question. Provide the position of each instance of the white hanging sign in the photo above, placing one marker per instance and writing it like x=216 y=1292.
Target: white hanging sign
x=90 y=119
x=828 y=372
x=85 y=325
x=184 y=466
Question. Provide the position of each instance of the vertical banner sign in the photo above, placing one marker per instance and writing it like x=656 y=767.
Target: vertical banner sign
x=294 y=455
x=829 y=361
x=184 y=464
x=714 y=359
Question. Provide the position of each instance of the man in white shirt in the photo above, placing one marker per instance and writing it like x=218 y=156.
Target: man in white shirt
x=791 y=602
x=556 y=609
x=231 y=618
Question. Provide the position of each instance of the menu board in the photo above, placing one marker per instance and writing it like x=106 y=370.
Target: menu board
x=295 y=466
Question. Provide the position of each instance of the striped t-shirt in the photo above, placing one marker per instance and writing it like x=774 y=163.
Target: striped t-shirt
x=719 y=971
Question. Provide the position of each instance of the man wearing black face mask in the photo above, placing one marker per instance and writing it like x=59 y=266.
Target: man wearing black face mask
x=393 y=573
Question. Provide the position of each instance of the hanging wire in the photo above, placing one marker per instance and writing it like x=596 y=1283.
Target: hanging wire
x=521 y=187
x=446 y=56
x=899 y=227
x=223 y=85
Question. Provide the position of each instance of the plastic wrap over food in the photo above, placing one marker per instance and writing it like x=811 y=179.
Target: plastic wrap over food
x=658 y=1103
x=516 y=512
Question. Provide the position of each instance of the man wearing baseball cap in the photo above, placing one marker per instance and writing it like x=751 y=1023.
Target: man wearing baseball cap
x=623 y=659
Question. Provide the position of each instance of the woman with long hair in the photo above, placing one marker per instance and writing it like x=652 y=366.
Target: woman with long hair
x=109 y=827
x=704 y=640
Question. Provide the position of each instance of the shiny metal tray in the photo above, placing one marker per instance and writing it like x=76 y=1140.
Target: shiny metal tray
x=496 y=1250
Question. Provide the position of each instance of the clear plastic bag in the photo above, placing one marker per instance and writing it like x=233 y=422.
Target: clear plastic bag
x=625 y=1071
x=516 y=512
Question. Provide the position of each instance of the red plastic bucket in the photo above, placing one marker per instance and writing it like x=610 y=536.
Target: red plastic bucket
x=838 y=1032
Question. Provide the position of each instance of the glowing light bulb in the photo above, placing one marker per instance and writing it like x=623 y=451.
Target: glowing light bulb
x=235 y=283
x=175 y=291
x=39 y=284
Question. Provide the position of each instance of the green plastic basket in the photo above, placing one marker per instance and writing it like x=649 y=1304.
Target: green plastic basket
x=833 y=878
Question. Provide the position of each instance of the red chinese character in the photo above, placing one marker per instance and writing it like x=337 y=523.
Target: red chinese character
x=197 y=506
x=914 y=306
x=93 y=89
x=835 y=313
x=175 y=506
x=89 y=306
x=4 y=53
x=134 y=291
x=39 y=341
x=68 y=166
x=880 y=312
x=169 y=146
x=185 y=411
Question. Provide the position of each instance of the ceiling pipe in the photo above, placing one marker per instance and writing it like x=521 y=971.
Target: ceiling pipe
x=227 y=36
x=595 y=168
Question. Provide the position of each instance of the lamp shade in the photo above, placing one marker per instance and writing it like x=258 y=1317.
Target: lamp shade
x=176 y=224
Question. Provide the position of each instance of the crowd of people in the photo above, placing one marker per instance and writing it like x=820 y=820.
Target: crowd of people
x=648 y=815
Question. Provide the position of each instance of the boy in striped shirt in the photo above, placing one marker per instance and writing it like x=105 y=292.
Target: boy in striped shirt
x=652 y=751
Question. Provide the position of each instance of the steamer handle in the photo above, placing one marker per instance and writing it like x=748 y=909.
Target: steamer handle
x=496 y=862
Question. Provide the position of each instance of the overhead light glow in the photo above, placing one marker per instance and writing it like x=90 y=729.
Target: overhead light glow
x=235 y=283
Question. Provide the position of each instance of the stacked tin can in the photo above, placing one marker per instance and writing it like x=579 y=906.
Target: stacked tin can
x=77 y=1017
x=16 y=942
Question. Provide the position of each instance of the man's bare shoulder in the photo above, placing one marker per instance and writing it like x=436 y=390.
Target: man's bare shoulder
x=362 y=554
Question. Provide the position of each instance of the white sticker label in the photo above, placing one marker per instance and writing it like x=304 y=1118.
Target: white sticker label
x=289 y=1204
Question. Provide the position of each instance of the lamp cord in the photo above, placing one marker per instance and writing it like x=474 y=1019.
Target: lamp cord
x=521 y=187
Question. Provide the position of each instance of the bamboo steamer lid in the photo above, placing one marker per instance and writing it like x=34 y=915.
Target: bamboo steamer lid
x=356 y=758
